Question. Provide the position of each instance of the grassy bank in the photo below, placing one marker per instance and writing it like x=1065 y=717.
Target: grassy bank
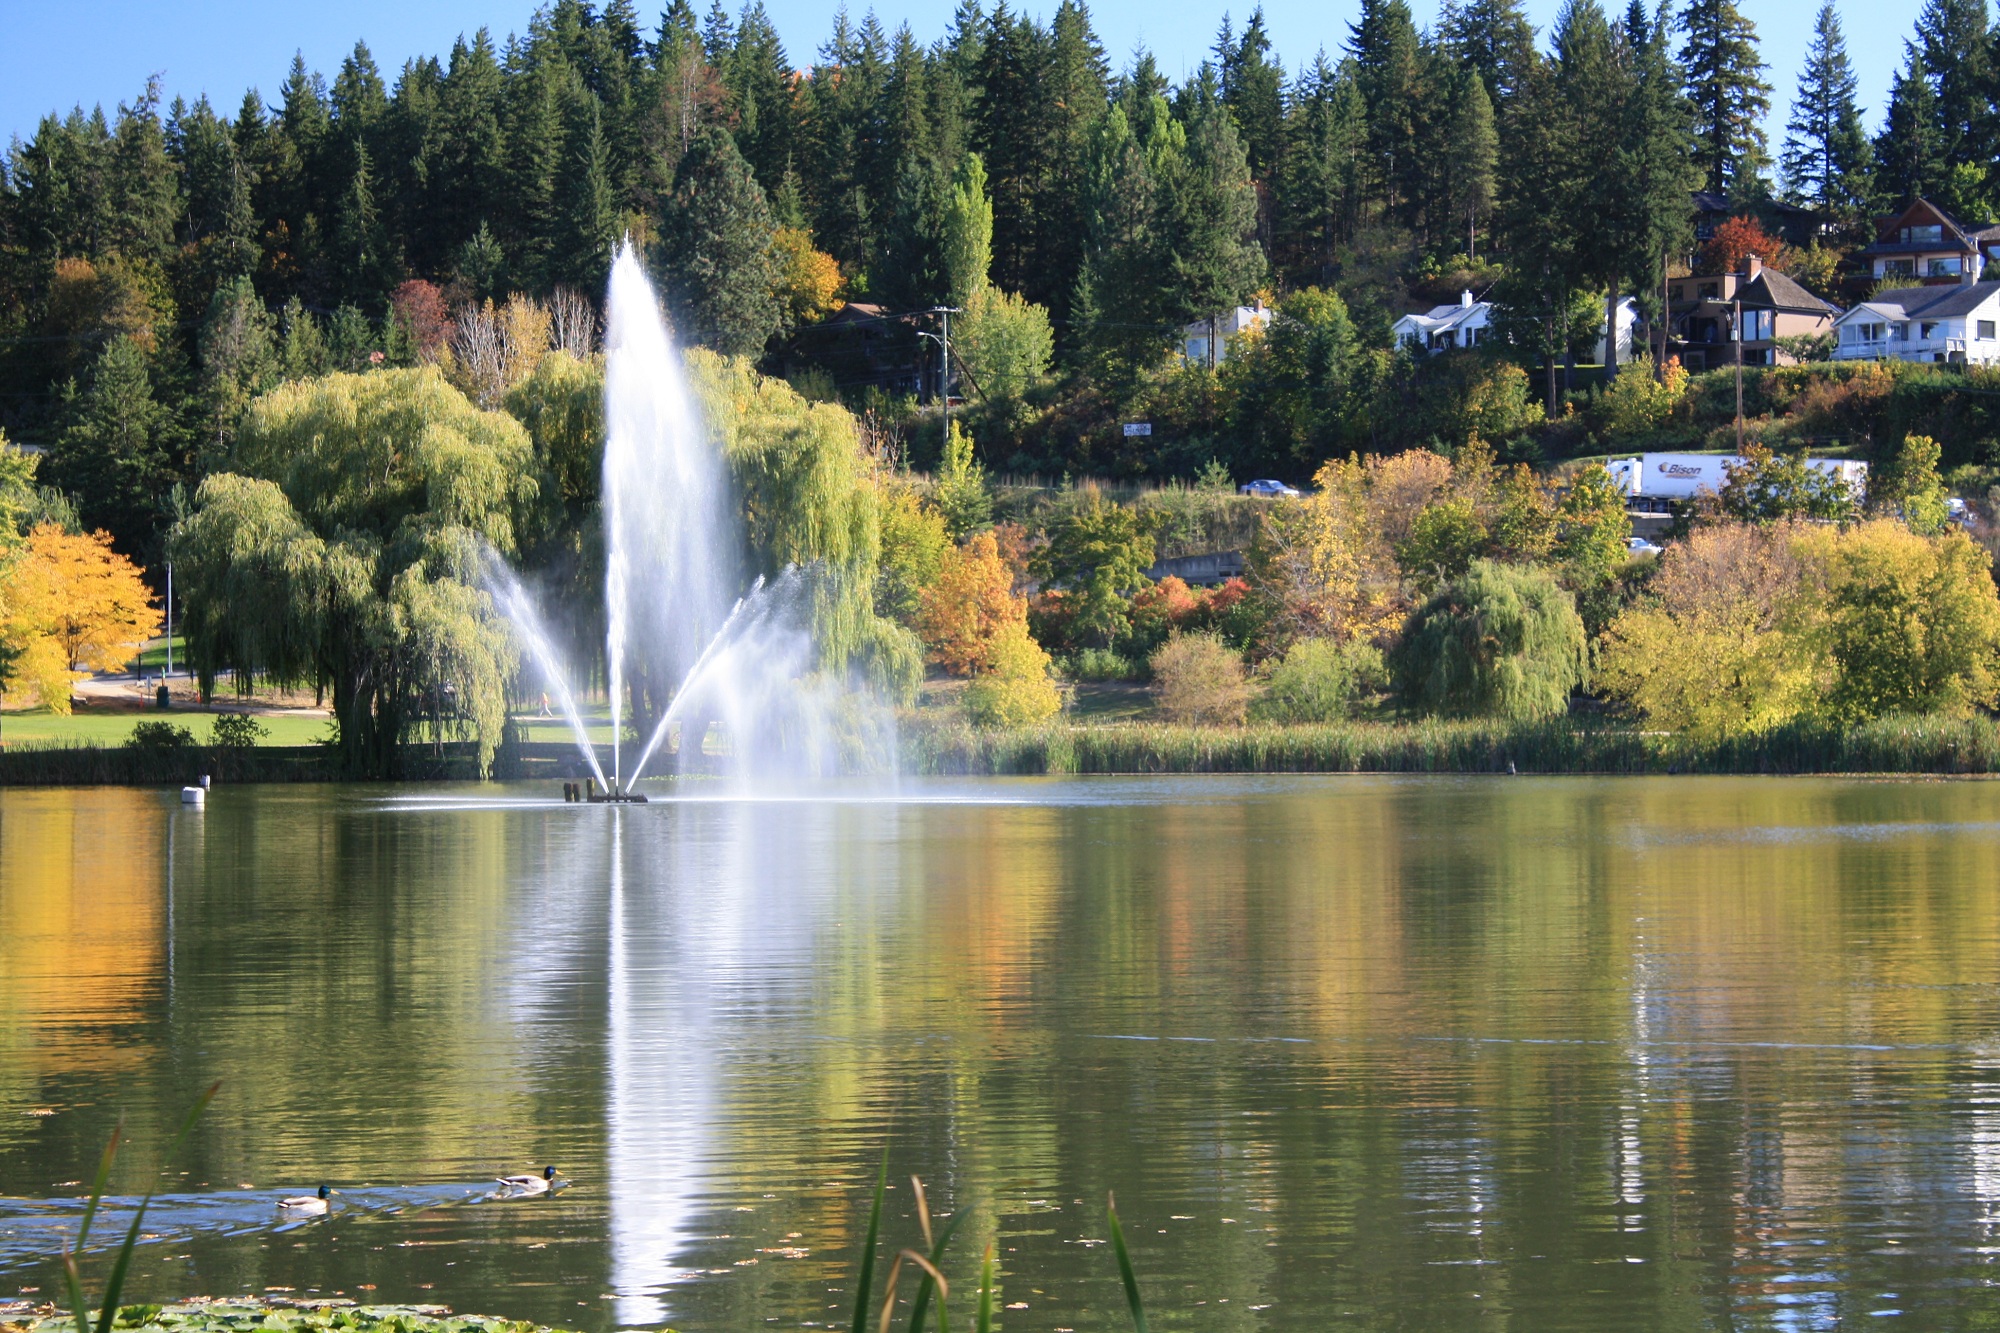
x=1893 y=745
x=97 y=725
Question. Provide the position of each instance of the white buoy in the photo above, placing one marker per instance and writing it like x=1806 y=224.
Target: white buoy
x=193 y=796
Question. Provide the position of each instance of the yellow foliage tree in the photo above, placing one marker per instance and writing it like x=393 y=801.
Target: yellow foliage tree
x=71 y=604
x=808 y=279
x=1727 y=646
x=1013 y=689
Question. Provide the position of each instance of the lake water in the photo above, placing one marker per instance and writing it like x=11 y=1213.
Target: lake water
x=1442 y=1053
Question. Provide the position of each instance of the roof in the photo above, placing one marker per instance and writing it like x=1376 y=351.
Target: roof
x=1709 y=201
x=1966 y=235
x=1440 y=317
x=1930 y=302
x=1780 y=292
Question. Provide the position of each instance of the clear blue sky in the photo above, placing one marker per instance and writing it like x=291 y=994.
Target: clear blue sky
x=54 y=56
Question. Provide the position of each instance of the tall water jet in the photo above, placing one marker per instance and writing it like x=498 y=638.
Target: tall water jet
x=670 y=543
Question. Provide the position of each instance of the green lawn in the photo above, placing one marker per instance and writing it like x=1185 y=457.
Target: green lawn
x=97 y=727
x=153 y=657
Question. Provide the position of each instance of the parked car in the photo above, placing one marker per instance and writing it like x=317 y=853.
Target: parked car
x=1640 y=546
x=1266 y=487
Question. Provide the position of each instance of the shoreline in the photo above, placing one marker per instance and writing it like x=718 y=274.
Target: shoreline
x=1566 y=747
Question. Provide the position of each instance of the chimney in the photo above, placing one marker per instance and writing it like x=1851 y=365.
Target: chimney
x=1752 y=267
x=1465 y=299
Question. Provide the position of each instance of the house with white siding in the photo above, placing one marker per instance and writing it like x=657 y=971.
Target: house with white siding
x=1959 y=323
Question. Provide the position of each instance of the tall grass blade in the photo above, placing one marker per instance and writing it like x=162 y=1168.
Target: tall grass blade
x=985 y=1320
x=115 y=1285
x=72 y=1277
x=864 y=1280
x=1125 y=1266
x=936 y=1262
x=889 y=1299
x=932 y=1277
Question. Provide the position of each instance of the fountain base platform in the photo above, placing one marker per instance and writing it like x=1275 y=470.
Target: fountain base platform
x=588 y=793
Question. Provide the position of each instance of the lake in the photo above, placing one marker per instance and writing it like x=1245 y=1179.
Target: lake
x=1450 y=1053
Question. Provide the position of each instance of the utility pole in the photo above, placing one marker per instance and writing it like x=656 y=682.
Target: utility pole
x=170 y=620
x=1736 y=336
x=943 y=337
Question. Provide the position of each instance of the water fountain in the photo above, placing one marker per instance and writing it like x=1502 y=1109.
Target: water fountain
x=681 y=648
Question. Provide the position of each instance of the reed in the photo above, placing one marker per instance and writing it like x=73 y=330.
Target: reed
x=107 y=1310
x=1565 y=745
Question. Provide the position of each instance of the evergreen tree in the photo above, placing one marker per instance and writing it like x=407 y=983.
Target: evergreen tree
x=113 y=456
x=758 y=77
x=1652 y=171
x=1217 y=262
x=909 y=266
x=1383 y=43
x=1726 y=86
x=217 y=217
x=1471 y=152
x=143 y=194
x=362 y=265
x=1827 y=159
x=582 y=255
x=1957 y=46
x=473 y=158
x=239 y=360
x=359 y=101
x=1910 y=152
x=535 y=144
x=1124 y=303
x=1495 y=38
x=1012 y=136
x=1318 y=191
x=1253 y=90
x=715 y=249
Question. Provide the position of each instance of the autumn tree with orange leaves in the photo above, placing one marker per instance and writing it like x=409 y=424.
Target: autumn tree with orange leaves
x=1736 y=240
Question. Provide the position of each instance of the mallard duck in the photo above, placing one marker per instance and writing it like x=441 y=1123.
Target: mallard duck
x=306 y=1205
x=529 y=1184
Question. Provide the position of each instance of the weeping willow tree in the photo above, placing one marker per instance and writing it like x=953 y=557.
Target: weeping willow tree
x=1498 y=641
x=809 y=500
x=562 y=406
x=342 y=550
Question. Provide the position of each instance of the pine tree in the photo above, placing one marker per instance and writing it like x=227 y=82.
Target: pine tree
x=1726 y=85
x=1957 y=46
x=143 y=181
x=1253 y=90
x=589 y=206
x=361 y=262
x=1910 y=151
x=1495 y=38
x=1212 y=205
x=239 y=360
x=758 y=77
x=1653 y=169
x=1471 y=151
x=1318 y=191
x=1827 y=159
x=217 y=218
x=535 y=155
x=1383 y=42
x=113 y=457
x=715 y=249
x=473 y=161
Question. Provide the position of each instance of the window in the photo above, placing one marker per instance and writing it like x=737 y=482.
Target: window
x=1926 y=331
x=1986 y=330
x=1756 y=325
x=1895 y=267
x=1918 y=235
x=1680 y=292
x=1711 y=291
x=1941 y=268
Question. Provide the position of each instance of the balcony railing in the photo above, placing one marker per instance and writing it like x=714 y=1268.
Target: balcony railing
x=1905 y=349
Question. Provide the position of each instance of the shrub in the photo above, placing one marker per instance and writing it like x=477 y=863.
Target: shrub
x=238 y=731
x=1912 y=624
x=1014 y=689
x=1102 y=664
x=1717 y=650
x=1200 y=679
x=160 y=736
x=1637 y=402
x=1499 y=641
x=1319 y=681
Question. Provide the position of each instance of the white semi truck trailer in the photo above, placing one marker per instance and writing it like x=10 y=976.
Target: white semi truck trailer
x=1680 y=476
